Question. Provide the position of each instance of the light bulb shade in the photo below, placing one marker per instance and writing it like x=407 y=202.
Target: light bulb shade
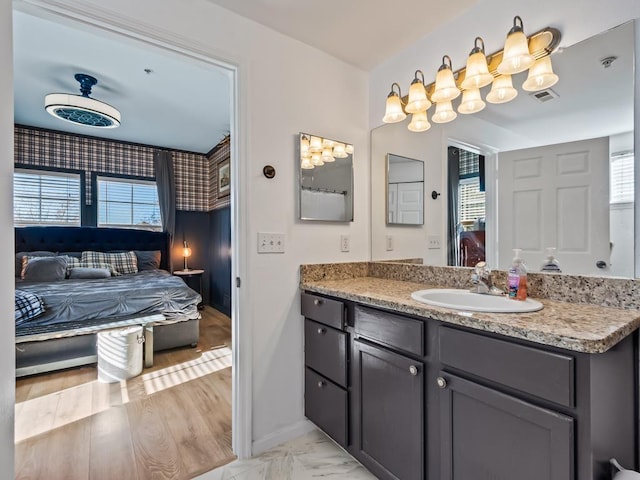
x=471 y=102
x=541 y=76
x=186 y=252
x=446 y=88
x=477 y=72
x=444 y=113
x=349 y=149
x=502 y=90
x=516 y=57
x=339 y=151
x=304 y=146
x=418 y=101
x=315 y=144
x=326 y=143
x=327 y=155
x=306 y=164
x=419 y=122
x=82 y=110
x=393 y=113
x=316 y=159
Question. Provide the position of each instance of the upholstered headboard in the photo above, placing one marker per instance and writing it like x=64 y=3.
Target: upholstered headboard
x=78 y=239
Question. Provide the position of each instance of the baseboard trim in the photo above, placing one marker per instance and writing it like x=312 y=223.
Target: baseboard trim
x=281 y=436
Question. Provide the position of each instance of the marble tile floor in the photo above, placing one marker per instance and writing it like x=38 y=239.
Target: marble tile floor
x=310 y=456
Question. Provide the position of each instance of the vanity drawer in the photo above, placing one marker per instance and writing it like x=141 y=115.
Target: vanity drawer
x=547 y=375
x=325 y=350
x=325 y=404
x=396 y=331
x=323 y=310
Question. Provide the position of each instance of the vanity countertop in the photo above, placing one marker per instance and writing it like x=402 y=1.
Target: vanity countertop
x=573 y=326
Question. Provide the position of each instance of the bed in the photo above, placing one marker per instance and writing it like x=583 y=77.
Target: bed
x=76 y=309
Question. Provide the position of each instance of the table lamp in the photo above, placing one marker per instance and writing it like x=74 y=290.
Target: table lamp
x=186 y=253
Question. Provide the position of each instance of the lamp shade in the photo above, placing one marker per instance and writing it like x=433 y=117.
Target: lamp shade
x=418 y=101
x=393 y=113
x=316 y=159
x=444 y=113
x=315 y=144
x=541 y=76
x=349 y=149
x=304 y=146
x=419 y=122
x=327 y=155
x=446 y=88
x=339 y=151
x=477 y=72
x=471 y=101
x=306 y=163
x=502 y=90
x=516 y=57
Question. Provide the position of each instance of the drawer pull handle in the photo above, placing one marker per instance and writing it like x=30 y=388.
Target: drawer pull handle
x=321 y=384
x=413 y=370
x=322 y=331
x=442 y=382
x=317 y=301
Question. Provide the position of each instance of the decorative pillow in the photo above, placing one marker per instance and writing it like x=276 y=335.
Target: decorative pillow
x=39 y=253
x=123 y=262
x=73 y=262
x=148 y=259
x=89 y=272
x=43 y=269
x=27 y=306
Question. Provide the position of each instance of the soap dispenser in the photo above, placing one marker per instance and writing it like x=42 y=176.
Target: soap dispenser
x=551 y=264
x=517 y=277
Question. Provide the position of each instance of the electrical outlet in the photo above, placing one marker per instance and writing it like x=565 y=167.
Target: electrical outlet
x=433 y=242
x=345 y=243
x=270 y=242
x=388 y=241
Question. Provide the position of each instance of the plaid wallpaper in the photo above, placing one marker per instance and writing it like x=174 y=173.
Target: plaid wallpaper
x=195 y=190
x=220 y=153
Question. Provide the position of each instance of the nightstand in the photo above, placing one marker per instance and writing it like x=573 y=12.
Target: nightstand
x=186 y=275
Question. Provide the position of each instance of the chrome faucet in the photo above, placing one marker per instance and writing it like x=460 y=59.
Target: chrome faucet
x=481 y=279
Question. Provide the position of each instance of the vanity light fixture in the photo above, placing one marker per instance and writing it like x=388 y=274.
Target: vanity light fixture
x=339 y=150
x=519 y=54
x=315 y=144
x=316 y=151
x=327 y=155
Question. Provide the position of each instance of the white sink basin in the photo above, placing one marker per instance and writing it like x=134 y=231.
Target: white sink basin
x=474 y=302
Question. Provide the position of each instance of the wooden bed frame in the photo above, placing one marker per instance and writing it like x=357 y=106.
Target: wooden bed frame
x=78 y=347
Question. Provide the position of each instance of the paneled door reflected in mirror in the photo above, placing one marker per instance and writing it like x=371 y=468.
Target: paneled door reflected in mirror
x=405 y=190
x=326 y=179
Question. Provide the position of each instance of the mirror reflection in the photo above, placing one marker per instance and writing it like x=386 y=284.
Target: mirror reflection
x=558 y=171
x=326 y=179
x=405 y=190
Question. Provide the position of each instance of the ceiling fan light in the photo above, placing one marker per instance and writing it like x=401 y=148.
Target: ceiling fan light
x=477 y=71
x=502 y=90
x=444 y=113
x=471 y=102
x=516 y=57
x=419 y=122
x=446 y=88
x=540 y=76
x=418 y=100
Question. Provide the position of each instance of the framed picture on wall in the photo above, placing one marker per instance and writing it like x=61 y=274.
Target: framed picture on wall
x=224 y=178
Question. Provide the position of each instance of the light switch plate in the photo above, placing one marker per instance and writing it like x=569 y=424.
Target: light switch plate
x=270 y=242
x=345 y=243
x=388 y=241
x=433 y=242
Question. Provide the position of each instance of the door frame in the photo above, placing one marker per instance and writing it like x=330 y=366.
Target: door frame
x=108 y=21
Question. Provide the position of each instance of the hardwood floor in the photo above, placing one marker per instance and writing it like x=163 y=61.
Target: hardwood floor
x=171 y=422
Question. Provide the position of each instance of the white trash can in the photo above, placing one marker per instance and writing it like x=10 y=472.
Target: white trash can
x=120 y=354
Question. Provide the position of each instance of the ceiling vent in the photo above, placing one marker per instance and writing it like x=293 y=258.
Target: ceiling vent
x=544 y=95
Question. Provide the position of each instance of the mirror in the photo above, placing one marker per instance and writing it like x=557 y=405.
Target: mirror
x=326 y=179
x=405 y=191
x=593 y=99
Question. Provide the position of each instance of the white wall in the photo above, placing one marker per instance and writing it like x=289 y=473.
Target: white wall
x=7 y=327
x=278 y=98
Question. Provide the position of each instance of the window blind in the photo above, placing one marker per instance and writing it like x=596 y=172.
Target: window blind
x=128 y=203
x=46 y=198
x=621 y=179
x=471 y=201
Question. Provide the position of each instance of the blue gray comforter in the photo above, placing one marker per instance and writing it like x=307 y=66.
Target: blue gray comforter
x=143 y=293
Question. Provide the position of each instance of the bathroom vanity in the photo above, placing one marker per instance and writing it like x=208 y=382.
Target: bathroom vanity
x=421 y=392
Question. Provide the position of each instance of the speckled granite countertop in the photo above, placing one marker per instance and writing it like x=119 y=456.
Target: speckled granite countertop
x=572 y=326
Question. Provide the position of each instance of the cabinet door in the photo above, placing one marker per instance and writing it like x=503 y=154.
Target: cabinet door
x=390 y=410
x=489 y=435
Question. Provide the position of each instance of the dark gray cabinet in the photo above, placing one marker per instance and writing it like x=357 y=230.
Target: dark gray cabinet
x=486 y=434
x=389 y=391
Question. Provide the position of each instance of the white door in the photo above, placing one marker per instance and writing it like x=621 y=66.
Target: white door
x=410 y=203
x=392 y=203
x=555 y=196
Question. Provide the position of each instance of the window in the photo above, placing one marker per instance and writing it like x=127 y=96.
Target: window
x=621 y=178
x=46 y=198
x=128 y=203
x=471 y=200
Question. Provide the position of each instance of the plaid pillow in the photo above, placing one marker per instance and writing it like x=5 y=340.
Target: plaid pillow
x=73 y=262
x=123 y=262
x=28 y=306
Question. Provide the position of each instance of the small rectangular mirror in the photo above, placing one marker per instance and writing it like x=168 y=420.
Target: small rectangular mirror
x=326 y=179
x=405 y=190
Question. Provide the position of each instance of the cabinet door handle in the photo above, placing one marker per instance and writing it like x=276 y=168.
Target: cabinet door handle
x=321 y=384
x=322 y=331
x=413 y=370
x=317 y=301
x=442 y=382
